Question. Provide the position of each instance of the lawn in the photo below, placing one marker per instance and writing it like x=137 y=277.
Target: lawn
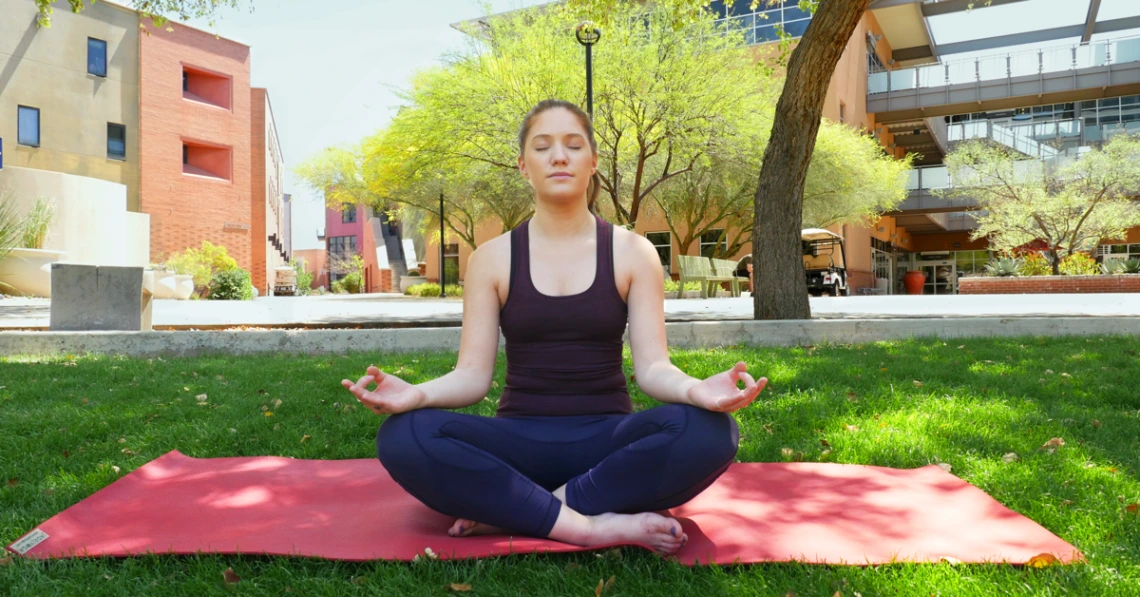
x=67 y=423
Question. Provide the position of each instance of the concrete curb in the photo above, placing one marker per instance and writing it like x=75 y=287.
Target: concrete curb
x=680 y=335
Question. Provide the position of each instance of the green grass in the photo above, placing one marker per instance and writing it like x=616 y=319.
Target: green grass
x=65 y=422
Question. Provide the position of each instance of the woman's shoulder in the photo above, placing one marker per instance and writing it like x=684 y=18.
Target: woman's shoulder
x=494 y=250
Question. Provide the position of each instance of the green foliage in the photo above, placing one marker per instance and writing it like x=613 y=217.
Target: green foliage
x=671 y=285
x=352 y=283
x=158 y=11
x=1004 y=267
x=1079 y=264
x=431 y=289
x=11 y=226
x=36 y=224
x=231 y=285
x=1130 y=266
x=1035 y=264
x=203 y=263
x=1071 y=205
x=304 y=277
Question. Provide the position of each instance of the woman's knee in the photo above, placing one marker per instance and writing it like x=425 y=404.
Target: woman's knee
x=712 y=434
x=397 y=441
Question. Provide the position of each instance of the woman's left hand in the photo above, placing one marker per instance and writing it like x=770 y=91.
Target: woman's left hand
x=720 y=394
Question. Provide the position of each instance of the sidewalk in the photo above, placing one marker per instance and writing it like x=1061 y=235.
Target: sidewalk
x=395 y=310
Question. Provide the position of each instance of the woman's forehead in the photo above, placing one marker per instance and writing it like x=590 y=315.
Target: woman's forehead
x=556 y=123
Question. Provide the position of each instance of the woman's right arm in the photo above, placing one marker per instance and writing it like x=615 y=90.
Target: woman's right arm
x=471 y=379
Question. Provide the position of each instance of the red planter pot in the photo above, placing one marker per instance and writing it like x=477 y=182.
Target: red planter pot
x=914 y=280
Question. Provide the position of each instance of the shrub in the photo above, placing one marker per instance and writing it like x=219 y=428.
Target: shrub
x=203 y=263
x=231 y=285
x=337 y=287
x=304 y=277
x=1035 y=264
x=1004 y=267
x=36 y=224
x=454 y=290
x=1079 y=264
x=428 y=289
x=1131 y=266
x=413 y=273
x=671 y=285
x=353 y=283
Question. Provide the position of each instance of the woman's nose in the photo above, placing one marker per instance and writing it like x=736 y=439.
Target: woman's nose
x=559 y=155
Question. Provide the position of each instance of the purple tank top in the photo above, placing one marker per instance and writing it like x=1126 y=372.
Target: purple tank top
x=563 y=352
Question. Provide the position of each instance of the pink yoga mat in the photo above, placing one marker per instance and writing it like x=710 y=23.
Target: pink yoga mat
x=352 y=510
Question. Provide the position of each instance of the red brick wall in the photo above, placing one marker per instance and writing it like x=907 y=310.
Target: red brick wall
x=1049 y=284
x=257 y=189
x=184 y=209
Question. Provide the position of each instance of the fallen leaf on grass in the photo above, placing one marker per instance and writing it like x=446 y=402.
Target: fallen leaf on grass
x=1010 y=457
x=610 y=582
x=917 y=384
x=269 y=413
x=306 y=438
x=128 y=452
x=1133 y=508
x=882 y=369
x=277 y=403
x=5 y=561
x=824 y=443
x=115 y=468
x=1053 y=444
x=1042 y=560
x=1067 y=502
x=357 y=580
x=851 y=396
x=230 y=576
x=1096 y=423
x=459 y=588
x=430 y=554
x=601 y=587
x=201 y=398
x=573 y=566
x=13 y=482
x=852 y=427
x=85 y=401
x=944 y=466
x=950 y=560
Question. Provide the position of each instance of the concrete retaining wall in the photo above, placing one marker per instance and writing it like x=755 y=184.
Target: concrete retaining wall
x=680 y=335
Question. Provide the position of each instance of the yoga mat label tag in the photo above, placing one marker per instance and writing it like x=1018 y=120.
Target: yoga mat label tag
x=29 y=542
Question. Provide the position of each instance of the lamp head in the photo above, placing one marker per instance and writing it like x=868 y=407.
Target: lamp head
x=587 y=33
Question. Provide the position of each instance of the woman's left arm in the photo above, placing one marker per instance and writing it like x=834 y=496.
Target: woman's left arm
x=655 y=374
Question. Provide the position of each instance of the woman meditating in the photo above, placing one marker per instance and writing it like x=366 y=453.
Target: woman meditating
x=565 y=456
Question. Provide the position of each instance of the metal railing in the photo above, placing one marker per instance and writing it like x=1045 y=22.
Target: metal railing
x=1007 y=65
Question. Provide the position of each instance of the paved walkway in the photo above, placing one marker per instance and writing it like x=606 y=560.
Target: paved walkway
x=384 y=310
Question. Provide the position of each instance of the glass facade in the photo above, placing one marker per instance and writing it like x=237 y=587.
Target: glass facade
x=96 y=57
x=765 y=23
x=663 y=242
x=1051 y=129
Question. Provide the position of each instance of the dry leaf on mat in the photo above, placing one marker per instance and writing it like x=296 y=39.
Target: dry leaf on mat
x=230 y=576
x=1042 y=560
x=459 y=588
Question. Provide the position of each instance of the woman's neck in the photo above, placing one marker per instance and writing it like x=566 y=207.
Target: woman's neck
x=560 y=222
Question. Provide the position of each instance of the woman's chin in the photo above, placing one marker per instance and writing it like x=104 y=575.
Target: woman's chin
x=563 y=195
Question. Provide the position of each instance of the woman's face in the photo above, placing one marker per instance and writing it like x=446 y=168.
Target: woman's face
x=558 y=160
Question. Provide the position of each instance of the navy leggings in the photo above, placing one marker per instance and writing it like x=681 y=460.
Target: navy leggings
x=501 y=471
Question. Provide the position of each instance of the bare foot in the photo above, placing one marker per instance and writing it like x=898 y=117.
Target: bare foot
x=469 y=528
x=653 y=530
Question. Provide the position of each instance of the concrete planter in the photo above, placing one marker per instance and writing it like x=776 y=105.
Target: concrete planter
x=164 y=284
x=28 y=271
x=407 y=282
x=183 y=286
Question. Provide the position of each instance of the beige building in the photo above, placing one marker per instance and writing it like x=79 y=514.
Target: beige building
x=69 y=94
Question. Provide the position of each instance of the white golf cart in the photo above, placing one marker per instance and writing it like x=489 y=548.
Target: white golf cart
x=825 y=262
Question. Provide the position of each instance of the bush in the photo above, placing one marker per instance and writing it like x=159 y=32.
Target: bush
x=36 y=224
x=203 y=263
x=428 y=289
x=231 y=285
x=1035 y=264
x=1131 y=266
x=1004 y=267
x=304 y=277
x=671 y=285
x=1079 y=264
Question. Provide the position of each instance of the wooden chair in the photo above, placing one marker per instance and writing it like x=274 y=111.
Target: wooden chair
x=698 y=269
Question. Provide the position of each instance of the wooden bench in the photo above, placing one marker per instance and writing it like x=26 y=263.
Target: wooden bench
x=699 y=269
x=727 y=267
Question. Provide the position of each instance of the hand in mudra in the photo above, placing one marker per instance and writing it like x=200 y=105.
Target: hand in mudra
x=391 y=396
x=719 y=393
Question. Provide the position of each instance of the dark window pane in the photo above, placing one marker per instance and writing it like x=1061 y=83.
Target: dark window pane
x=766 y=34
x=28 y=125
x=793 y=13
x=658 y=238
x=96 y=57
x=348 y=216
x=116 y=141
x=797 y=28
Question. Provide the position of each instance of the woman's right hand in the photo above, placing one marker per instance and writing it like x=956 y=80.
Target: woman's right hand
x=391 y=396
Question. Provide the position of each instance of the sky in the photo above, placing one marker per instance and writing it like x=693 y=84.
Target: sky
x=332 y=67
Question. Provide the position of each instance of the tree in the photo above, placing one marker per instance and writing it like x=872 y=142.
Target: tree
x=662 y=94
x=156 y=10
x=1069 y=204
x=781 y=284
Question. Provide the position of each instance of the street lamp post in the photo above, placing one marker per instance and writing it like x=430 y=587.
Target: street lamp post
x=588 y=34
x=442 y=280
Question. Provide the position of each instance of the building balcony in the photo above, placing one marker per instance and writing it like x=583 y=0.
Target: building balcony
x=1067 y=73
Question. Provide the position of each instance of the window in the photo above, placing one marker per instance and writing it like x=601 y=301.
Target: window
x=117 y=142
x=451 y=264
x=343 y=247
x=348 y=215
x=28 y=126
x=712 y=245
x=206 y=87
x=663 y=242
x=96 y=57
x=200 y=159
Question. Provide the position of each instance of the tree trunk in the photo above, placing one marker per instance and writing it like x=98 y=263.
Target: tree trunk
x=1056 y=259
x=781 y=284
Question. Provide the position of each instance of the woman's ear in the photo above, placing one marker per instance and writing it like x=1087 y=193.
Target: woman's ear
x=522 y=168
